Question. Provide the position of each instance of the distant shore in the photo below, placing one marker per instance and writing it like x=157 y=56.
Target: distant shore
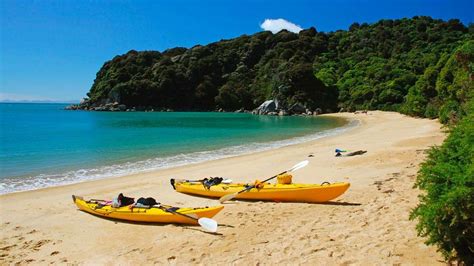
x=368 y=224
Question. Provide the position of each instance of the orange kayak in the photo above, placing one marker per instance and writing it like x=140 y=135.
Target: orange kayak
x=311 y=193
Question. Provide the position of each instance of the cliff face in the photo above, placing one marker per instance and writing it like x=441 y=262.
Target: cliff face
x=369 y=66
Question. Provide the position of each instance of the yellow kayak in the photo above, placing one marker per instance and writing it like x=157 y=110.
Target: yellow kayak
x=311 y=193
x=152 y=215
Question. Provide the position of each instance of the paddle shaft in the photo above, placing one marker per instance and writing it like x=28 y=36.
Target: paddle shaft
x=177 y=213
x=233 y=195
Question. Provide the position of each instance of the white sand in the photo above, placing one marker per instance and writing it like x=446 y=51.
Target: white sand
x=368 y=224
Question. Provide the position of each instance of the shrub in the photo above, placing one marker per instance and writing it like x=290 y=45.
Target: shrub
x=446 y=211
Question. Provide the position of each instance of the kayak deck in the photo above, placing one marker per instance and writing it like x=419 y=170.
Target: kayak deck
x=311 y=193
x=151 y=215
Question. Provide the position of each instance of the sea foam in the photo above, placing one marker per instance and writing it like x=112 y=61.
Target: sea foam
x=16 y=184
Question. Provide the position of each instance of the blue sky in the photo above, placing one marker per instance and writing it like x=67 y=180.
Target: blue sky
x=51 y=50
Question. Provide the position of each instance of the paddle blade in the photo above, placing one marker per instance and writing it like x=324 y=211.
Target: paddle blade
x=299 y=166
x=227 y=181
x=208 y=224
x=228 y=197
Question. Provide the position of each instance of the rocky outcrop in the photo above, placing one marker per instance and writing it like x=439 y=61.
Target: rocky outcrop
x=266 y=107
x=271 y=107
x=297 y=108
x=108 y=107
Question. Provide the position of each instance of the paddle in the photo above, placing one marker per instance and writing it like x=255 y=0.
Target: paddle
x=208 y=224
x=233 y=195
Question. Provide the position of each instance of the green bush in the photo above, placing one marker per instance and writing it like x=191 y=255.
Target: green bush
x=446 y=210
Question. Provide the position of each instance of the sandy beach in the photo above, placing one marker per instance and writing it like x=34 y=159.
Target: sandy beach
x=366 y=225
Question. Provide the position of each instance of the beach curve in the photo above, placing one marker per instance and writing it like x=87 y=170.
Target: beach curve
x=368 y=224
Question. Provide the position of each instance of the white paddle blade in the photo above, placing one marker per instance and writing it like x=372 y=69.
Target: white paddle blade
x=227 y=197
x=299 y=166
x=208 y=224
x=227 y=181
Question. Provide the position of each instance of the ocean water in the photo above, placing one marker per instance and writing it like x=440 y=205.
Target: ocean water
x=43 y=145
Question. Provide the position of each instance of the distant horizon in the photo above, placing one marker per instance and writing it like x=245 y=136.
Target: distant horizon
x=73 y=40
x=39 y=101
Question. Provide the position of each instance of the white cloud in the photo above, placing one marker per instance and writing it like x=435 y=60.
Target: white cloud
x=276 y=25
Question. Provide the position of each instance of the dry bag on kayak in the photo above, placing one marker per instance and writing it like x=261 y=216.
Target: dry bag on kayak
x=121 y=201
x=212 y=181
x=284 y=179
x=147 y=201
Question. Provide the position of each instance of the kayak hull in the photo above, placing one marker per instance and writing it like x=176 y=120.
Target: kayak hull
x=146 y=215
x=310 y=193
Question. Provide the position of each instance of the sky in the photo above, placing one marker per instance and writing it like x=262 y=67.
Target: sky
x=51 y=50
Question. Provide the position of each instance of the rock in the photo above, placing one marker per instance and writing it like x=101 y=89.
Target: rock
x=84 y=101
x=122 y=107
x=72 y=107
x=318 y=111
x=241 y=110
x=309 y=112
x=283 y=113
x=267 y=106
x=297 y=108
x=272 y=113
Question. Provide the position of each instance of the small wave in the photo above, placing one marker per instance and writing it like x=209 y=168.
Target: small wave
x=16 y=184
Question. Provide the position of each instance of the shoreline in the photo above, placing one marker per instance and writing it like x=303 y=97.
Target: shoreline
x=367 y=224
x=29 y=183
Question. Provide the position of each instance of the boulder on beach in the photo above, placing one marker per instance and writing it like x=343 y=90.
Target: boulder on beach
x=267 y=107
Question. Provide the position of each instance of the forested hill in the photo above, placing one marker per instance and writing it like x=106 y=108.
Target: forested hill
x=419 y=66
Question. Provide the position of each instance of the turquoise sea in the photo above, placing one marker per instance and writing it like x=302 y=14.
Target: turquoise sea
x=44 y=145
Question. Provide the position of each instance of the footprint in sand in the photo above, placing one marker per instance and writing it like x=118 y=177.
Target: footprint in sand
x=7 y=248
x=40 y=243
